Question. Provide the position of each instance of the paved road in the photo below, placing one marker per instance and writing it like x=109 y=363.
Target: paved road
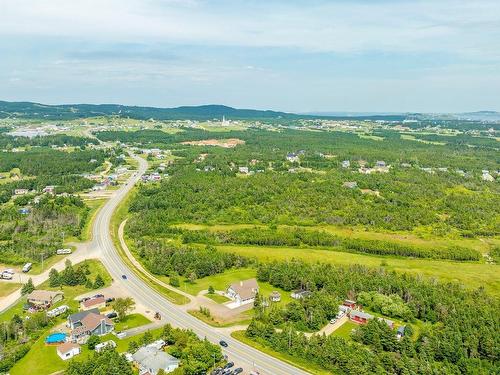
x=238 y=352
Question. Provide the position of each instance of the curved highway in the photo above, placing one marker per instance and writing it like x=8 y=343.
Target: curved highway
x=243 y=355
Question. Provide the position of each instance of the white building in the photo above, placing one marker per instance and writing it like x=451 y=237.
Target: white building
x=68 y=350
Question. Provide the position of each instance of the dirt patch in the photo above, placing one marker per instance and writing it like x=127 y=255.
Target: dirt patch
x=225 y=143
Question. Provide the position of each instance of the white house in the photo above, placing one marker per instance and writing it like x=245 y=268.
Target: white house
x=244 y=291
x=68 y=350
x=151 y=360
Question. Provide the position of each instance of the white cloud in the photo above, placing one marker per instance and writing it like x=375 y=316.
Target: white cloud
x=459 y=27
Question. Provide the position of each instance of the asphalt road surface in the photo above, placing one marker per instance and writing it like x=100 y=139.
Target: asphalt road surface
x=243 y=355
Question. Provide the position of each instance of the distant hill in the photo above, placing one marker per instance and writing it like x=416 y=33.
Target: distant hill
x=73 y=111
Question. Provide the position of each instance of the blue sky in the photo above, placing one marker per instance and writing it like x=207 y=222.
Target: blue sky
x=300 y=56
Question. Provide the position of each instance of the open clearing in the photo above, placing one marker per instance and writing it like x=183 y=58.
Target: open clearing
x=481 y=245
x=225 y=143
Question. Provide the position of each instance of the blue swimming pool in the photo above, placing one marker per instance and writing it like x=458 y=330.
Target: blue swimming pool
x=55 y=338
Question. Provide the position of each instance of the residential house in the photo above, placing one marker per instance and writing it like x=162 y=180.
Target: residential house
x=486 y=176
x=390 y=323
x=380 y=163
x=243 y=170
x=292 y=157
x=300 y=294
x=349 y=303
x=75 y=320
x=150 y=360
x=44 y=298
x=92 y=324
x=68 y=350
x=21 y=191
x=97 y=302
x=350 y=184
x=346 y=164
x=49 y=189
x=243 y=291
x=360 y=316
x=400 y=332
x=275 y=296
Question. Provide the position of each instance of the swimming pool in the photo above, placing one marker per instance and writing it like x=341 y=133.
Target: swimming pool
x=55 y=338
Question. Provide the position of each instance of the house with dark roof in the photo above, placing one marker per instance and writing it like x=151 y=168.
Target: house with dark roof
x=92 y=324
x=75 y=320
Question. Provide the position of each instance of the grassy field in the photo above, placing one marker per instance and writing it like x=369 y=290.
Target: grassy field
x=345 y=329
x=7 y=288
x=95 y=205
x=403 y=238
x=471 y=275
x=217 y=298
x=295 y=361
x=243 y=318
x=131 y=321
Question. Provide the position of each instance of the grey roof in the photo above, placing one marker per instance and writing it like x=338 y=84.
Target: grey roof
x=361 y=314
x=82 y=314
x=153 y=359
x=401 y=329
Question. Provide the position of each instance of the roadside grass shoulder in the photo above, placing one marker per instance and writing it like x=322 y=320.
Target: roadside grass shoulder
x=131 y=321
x=243 y=319
x=293 y=360
x=118 y=216
x=7 y=288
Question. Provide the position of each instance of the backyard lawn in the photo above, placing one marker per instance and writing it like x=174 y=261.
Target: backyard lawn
x=345 y=329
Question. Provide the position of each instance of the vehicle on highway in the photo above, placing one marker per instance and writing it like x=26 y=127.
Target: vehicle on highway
x=237 y=371
x=333 y=321
x=124 y=277
x=223 y=343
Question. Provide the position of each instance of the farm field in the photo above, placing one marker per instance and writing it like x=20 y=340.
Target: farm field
x=473 y=275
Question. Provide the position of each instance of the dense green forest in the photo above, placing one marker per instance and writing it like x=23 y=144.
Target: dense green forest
x=8 y=142
x=47 y=162
x=24 y=237
x=461 y=334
